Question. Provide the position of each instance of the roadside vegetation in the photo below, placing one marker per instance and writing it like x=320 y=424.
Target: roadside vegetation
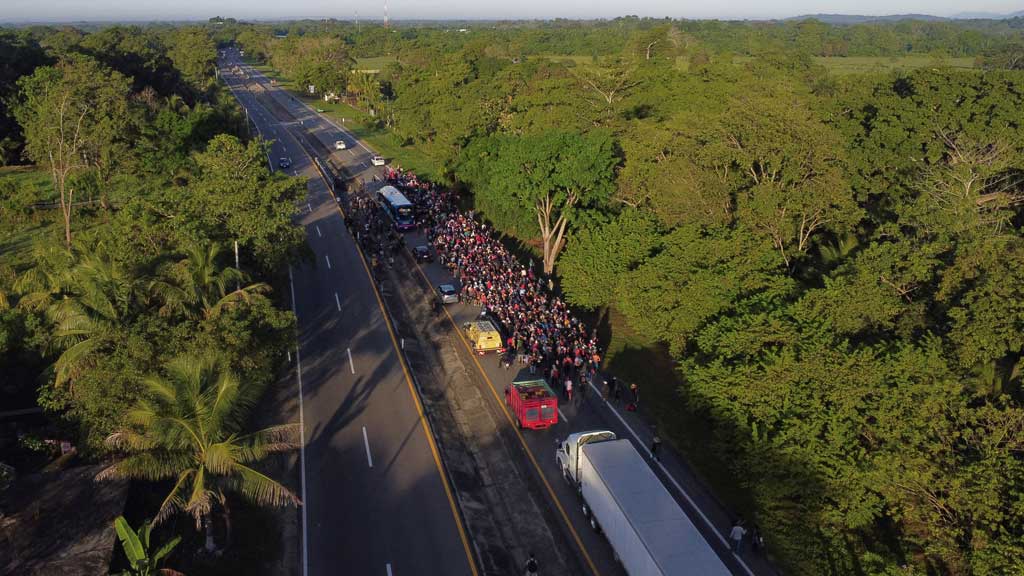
x=127 y=187
x=801 y=239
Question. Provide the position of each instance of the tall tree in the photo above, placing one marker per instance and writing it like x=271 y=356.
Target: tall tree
x=71 y=113
x=190 y=427
x=551 y=175
x=194 y=55
x=236 y=197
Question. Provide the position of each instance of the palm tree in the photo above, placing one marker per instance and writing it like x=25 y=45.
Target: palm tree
x=100 y=298
x=188 y=427
x=142 y=560
x=39 y=286
x=7 y=279
x=994 y=378
x=836 y=251
x=197 y=288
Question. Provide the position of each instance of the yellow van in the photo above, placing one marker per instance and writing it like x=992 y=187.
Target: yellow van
x=483 y=337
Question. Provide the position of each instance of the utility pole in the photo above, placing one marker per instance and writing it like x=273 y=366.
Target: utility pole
x=386 y=22
x=238 y=286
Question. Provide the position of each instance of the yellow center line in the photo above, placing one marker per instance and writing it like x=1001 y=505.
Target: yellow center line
x=408 y=381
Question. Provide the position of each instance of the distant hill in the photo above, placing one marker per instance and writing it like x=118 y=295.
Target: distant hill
x=987 y=15
x=856 y=19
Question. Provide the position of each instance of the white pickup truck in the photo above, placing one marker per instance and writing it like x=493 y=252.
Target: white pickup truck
x=622 y=497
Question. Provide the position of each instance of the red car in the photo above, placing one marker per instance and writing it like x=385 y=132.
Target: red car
x=533 y=404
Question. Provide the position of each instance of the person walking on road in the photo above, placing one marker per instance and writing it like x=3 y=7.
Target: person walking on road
x=568 y=390
x=655 y=446
x=634 y=389
x=736 y=536
x=616 y=391
x=531 y=567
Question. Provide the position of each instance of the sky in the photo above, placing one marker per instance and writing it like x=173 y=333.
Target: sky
x=105 y=10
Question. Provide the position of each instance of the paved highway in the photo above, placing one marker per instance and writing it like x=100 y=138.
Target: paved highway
x=376 y=498
x=705 y=512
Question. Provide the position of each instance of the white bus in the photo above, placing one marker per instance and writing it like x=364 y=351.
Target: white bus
x=398 y=207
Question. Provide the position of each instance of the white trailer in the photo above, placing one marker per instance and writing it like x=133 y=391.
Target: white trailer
x=622 y=497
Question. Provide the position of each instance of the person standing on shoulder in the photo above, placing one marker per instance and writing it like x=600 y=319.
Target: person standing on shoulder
x=736 y=536
x=756 y=539
x=655 y=446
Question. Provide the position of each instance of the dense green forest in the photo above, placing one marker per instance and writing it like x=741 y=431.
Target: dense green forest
x=131 y=177
x=832 y=262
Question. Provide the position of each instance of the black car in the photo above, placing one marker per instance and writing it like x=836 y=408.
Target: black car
x=423 y=254
x=284 y=163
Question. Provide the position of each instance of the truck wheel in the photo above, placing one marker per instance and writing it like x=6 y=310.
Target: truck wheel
x=594 y=524
x=586 y=511
x=565 y=475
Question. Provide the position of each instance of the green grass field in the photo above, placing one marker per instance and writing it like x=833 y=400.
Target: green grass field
x=38 y=180
x=376 y=63
x=866 y=64
x=843 y=65
x=20 y=232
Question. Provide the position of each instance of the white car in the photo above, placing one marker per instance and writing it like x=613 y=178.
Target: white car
x=378 y=161
x=339 y=145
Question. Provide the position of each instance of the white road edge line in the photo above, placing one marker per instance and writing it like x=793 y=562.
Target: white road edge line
x=351 y=365
x=328 y=258
x=388 y=567
x=336 y=301
x=302 y=443
x=366 y=442
x=671 y=479
x=562 y=416
x=318 y=234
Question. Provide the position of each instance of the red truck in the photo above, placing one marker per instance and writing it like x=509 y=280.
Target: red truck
x=533 y=404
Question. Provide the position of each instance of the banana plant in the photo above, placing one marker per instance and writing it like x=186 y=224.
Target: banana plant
x=142 y=560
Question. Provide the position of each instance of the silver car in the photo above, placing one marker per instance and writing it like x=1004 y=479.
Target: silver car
x=448 y=294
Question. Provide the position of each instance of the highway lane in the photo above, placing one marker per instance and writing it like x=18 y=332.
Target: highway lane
x=375 y=499
x=698 y=503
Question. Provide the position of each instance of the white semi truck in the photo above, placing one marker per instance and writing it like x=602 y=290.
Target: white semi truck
x=624 y=499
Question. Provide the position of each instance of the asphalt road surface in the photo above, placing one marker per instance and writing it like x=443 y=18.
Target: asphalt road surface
x=376 y=499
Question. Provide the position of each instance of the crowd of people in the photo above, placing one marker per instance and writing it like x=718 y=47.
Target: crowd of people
x=540 y=331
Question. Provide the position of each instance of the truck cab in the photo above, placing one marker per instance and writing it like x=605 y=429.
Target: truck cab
x=568 y=453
